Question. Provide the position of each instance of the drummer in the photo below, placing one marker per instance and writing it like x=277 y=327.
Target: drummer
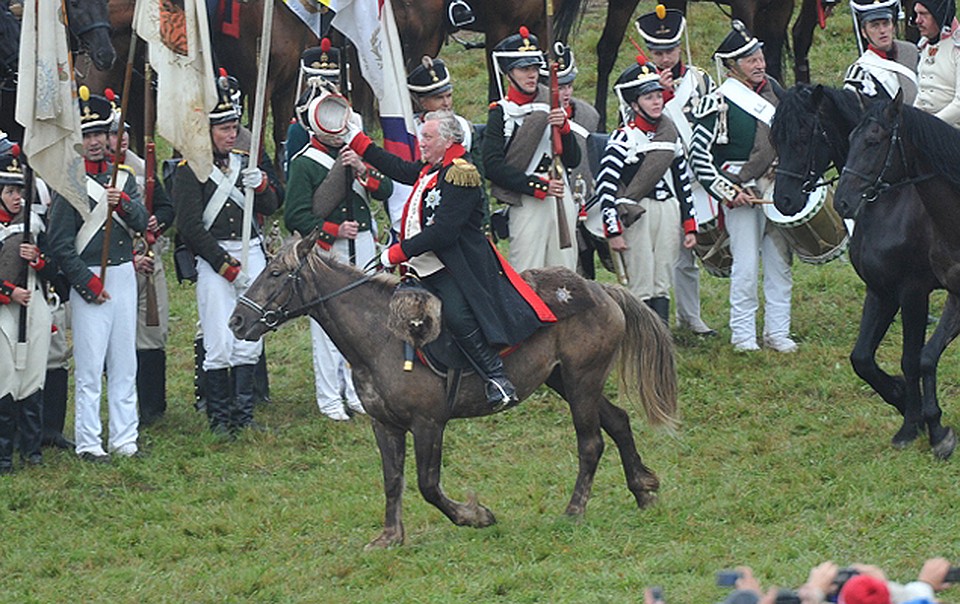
x=733 y=159
x=684 y=85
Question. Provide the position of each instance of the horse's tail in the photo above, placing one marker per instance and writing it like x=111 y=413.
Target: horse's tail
x=646 y=361
x=569 y=13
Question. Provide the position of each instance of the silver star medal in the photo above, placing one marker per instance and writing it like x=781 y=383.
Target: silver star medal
x=563 y=295
x=433 y=198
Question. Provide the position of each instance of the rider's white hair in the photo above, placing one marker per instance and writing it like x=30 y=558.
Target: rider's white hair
x=448 y=124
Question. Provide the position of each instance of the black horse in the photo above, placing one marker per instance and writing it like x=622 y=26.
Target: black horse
x=890 y=246
x=892 y=149
x=89 y=34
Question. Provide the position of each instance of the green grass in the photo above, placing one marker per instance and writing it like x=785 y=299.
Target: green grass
x=782 y=461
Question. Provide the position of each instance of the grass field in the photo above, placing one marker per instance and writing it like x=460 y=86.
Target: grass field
x=782 y=461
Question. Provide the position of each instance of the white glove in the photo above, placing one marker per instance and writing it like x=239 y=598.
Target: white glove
x=242 y=282
x=385 y=258
x=251 y=177
x=354 y=127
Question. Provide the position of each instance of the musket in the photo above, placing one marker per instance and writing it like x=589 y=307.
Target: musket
x=150 y=181
x=345 y=91
x=20 y=356
x=556 y=143
x=117 y=157
x=256 y=135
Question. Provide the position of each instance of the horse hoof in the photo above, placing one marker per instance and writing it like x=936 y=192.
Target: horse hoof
x=905 y=435
x=475 y=515
x=646 y=499
x=386 y=540
x=944 y=449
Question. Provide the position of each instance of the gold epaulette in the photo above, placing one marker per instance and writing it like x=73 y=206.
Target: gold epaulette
x=463 y=174
x=127 y=168
x=240 y=151
x=183 y=162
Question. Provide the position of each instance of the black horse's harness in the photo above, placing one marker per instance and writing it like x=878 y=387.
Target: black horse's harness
x=810 y=180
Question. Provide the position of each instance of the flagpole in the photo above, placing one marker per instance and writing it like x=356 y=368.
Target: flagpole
x=258 y=114
x=118 y=155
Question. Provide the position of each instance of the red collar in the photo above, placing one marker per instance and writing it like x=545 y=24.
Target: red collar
x=569 y=111
x=641 y=123
x=316 y=144
x=454 y=152
x=96 y=167
x=5 y=216
x=881 y=53
x=759 y=87
x=519 y=97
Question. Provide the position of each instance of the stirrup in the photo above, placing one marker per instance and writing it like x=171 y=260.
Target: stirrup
x=498 y=396
x=459 y=14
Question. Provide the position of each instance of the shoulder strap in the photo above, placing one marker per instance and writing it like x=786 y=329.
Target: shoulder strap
x=98 y=217
x=226 y=191
x=748 y=100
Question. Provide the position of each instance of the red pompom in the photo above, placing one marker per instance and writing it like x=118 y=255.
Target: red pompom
x=524 y=32
x=15 y=150
x=110 y=94
x=223 y=72
x=325 y=44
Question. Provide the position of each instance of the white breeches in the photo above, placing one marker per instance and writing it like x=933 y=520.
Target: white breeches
x=534 y=239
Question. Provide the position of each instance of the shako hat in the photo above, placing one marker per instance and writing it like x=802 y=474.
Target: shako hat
x=738 y=43
x=96 y=114
x=521 y=49
x=637 y=80
x=566 y=65
x=323 y=61
x=429 y=78
x=226 y=109
x=114 y=99
x=867 y=11
x=11 y=167
x=662 y=28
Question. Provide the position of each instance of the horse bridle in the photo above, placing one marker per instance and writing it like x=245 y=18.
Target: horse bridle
x=271 y=318
x=879 y=185
x=79 y=33
x=810 y=181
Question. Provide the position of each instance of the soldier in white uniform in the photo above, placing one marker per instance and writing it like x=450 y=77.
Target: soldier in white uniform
x=684 y=85
x=939 y=68
x=888 y=65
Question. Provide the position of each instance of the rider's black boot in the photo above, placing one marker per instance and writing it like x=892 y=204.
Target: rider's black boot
x=484 y=358
x=661 y=306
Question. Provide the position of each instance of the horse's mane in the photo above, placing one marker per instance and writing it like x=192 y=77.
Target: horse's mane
x=319 y=259
x=795 y=111
x=937 y=143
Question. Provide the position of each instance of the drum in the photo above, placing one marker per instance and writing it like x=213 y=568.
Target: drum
x=713 y=243
x=817 y=234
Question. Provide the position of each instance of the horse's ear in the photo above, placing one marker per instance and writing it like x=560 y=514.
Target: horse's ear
x=892 y=110
x=898 y=100
x=305 y=245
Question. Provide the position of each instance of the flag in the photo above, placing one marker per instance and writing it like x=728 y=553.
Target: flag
x=310 y=12
x=179 y=40
x=371 y=27
x=47 y=104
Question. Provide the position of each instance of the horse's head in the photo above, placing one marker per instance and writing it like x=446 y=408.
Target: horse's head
x=90 y=25
x=876 y=160
x=268 y=301
x=802 y=147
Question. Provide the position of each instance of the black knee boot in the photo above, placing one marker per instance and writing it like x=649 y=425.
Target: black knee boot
x=261 y=381
x=661 y=306
x=219 y=400
x=55 y=409
x=243 y=383
x=8 y=427
x=151 y=385
x=485 y=360
x=30 y=426
x=199 y=375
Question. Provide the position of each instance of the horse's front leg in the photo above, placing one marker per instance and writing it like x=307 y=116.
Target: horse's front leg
x=427 y=446
x=875 y=319
x=914 y=306
x=392 y=442
x=942 y=438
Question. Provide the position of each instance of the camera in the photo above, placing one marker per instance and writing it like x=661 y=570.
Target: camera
x=728 y=578
x=843 y=575
x=657 y=593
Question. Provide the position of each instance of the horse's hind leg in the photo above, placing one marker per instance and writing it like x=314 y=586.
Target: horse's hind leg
x=641 y=481
x=586 y=423
x=942 y=438
x=428 y=448
x=392 y=443
x=914 y=306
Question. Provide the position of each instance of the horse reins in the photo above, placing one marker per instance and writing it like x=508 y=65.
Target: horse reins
x=879 y=185
x=810 y=181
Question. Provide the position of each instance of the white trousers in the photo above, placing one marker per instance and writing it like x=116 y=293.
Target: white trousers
x=534 y=239
x=652 y=248
x=216 y=299
x=686 y=287
x=105 y=337
x=753 y=237
x=332 y=376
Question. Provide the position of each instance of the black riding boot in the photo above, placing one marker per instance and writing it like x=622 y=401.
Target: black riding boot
x=8 y=428
x=219 y=400
x=199 y=375
x=485 y=360
x=661 y=306
x=261 y=381
x=55 y=409
x=30 y=426
x=241 y=415
x=151 y=385
x=460 y=14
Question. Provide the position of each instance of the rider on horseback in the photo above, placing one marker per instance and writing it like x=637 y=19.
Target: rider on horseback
x=485 y=303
